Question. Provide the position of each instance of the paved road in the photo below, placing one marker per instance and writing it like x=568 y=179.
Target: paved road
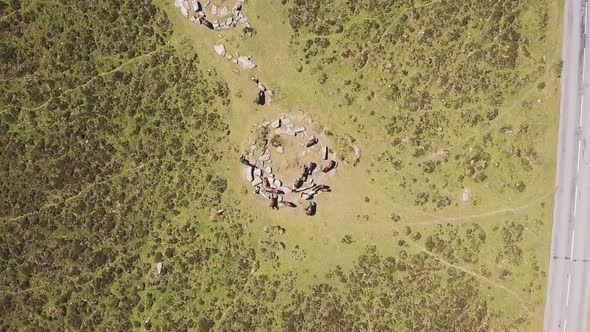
x=568 y=292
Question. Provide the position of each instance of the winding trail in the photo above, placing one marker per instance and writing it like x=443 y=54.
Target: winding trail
x=512 y=293
x=467 y=218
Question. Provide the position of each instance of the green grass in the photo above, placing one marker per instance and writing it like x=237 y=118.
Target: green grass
x=165 y=136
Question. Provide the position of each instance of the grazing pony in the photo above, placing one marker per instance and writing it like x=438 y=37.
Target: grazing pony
x=310 y=210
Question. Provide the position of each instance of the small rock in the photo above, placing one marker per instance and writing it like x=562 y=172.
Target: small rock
x=268 y=170
x=257 y=172
x=277 y=184
x=159 y=268
x=219 y=49
x=466 y=196
x=261 y=86
x=246 y=63
x=299 y=130
x=229 y=21
x=276 y=124
x=220 y=212
x=357 y=151
x=324 y=153
x=280 y=149
x=223 y=12
x=249 y=173
x=234 y=61
x=264 y=157
x=213 y=10
x=257 y=180
x=184 y=12
x=228 y=56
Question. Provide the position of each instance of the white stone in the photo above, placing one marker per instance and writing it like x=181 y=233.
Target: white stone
x=250 y=173
x=299 y=130
x=280 y=149
x=228 y=56
x=257 y=172
x=213 y=10
x=264 y=157
x=257 y=180
x=246 y=63
x=466 y=197
x=277 y=184
x=229 y=21
x=276 y=124
x=268 y=170
x=219 y=49
x=324 y=152
x=184 y=12
x=357 y=151
x=159 y=268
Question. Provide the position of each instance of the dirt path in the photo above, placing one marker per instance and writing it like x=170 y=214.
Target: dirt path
x=512 y=293
x=467 y=218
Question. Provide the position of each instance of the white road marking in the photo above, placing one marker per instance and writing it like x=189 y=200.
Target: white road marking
x=576 y=201
x=567 y=298
x=581 y=109
x=579 y=154
x=564 y=324
x=572 y=248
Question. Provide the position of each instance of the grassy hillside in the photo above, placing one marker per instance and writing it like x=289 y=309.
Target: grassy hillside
x=121 y=130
